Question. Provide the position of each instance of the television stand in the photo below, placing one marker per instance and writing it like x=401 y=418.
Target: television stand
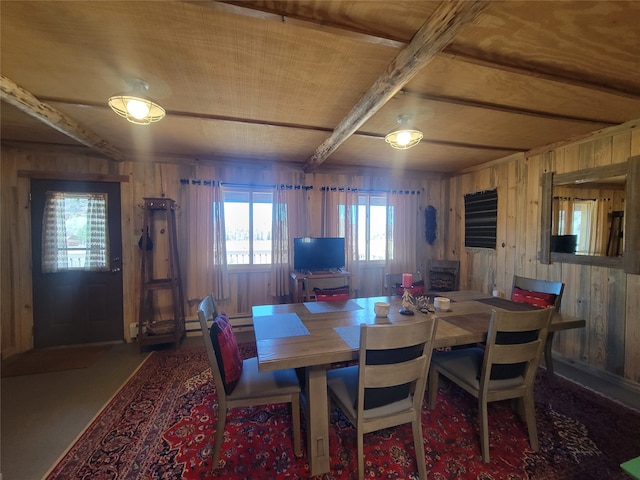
x=298 y=278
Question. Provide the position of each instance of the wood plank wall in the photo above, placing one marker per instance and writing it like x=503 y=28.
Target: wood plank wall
x=248 y=287
x=607 y=298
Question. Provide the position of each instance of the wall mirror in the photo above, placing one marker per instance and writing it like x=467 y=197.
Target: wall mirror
x=592 y=216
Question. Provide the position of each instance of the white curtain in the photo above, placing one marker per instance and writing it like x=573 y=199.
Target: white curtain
x=206 y=254
x=280 y=243
x=402 y=231
x=54 y=234
x=599 y=234
x=221 y=286
x=97 y=253
x=289 y=221
x=340 y=219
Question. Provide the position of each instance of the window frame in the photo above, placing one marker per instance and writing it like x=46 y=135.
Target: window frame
x=250 y=193
x=365 y=200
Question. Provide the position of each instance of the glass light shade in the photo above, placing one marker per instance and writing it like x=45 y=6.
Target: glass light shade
x=138 y=110
x=404 y=138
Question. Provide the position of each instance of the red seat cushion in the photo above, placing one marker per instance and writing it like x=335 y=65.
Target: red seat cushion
x=227 y=351
x=537 y=299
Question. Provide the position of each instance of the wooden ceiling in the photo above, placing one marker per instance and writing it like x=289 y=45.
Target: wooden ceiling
x=319 y=83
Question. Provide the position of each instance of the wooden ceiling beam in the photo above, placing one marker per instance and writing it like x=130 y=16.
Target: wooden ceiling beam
x=26 y=102
x=438 y=31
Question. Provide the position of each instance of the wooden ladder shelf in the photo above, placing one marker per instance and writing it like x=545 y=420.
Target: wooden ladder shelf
x=159 y=217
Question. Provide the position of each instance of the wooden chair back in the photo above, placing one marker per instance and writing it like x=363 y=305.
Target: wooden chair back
x=385 y=374
x=207 y=311
x=542 y=286
x=419 y=336
x=311 y=284
x=515 y=339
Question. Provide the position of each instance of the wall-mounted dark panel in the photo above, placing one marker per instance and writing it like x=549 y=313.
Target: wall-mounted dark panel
x=480 y=219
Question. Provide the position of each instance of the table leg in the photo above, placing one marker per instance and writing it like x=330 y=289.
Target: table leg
x=317 y=409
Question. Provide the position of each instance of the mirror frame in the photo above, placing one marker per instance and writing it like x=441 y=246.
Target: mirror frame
x=630 y=259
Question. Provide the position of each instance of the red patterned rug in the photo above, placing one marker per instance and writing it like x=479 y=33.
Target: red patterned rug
x=160 y=425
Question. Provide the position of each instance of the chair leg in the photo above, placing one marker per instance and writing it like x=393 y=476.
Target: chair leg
x=548 y=358
x=419 y=448
x=295 y=415
x=222 y=420
x=484 y=430
x=530 y=413
x=360 y=436
x=434 y=378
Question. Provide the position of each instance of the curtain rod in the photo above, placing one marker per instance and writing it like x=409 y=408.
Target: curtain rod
x=194 y=181
x=394 y=191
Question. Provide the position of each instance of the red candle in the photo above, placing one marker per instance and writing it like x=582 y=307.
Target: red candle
x=407 y=280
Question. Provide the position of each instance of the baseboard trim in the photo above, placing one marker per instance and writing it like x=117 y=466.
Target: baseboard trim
x=626 y=387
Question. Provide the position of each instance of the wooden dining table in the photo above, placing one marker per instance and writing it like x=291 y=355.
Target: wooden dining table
x=315 y=335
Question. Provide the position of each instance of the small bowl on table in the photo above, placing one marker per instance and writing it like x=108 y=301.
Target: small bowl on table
x=442 y=304
x=381 y=309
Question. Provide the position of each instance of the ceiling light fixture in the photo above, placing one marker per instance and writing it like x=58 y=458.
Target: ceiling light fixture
x=403 y=137
x=135 y=106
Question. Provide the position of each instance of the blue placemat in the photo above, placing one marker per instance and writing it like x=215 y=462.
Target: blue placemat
x=328 y=307
x=350 y=335
x=281 y=325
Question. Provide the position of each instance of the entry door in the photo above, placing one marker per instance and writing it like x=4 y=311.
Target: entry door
x=76 y=258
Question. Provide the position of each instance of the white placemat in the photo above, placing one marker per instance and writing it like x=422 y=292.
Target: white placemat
x=350 y=335
x=281 y=325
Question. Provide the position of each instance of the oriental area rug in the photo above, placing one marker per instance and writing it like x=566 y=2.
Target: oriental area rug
x=161 y=425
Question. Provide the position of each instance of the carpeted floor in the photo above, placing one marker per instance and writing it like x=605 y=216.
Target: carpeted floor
x=52 y=360
x=161 y=425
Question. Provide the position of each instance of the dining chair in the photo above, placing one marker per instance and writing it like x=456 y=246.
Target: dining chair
x=540 y=293
x=339 y=294
x=312 y=284
x=505 y=369
x=238 y=382
x=386 y=388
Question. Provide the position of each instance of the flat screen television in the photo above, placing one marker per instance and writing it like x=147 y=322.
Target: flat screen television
x=564 y=243
x=313 y=254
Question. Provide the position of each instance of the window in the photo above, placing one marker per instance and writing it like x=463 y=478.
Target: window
x=75 y=234
x=247 y=218
x=374 y=221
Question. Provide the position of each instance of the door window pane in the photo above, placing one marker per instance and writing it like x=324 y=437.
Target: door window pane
x=75 y=232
